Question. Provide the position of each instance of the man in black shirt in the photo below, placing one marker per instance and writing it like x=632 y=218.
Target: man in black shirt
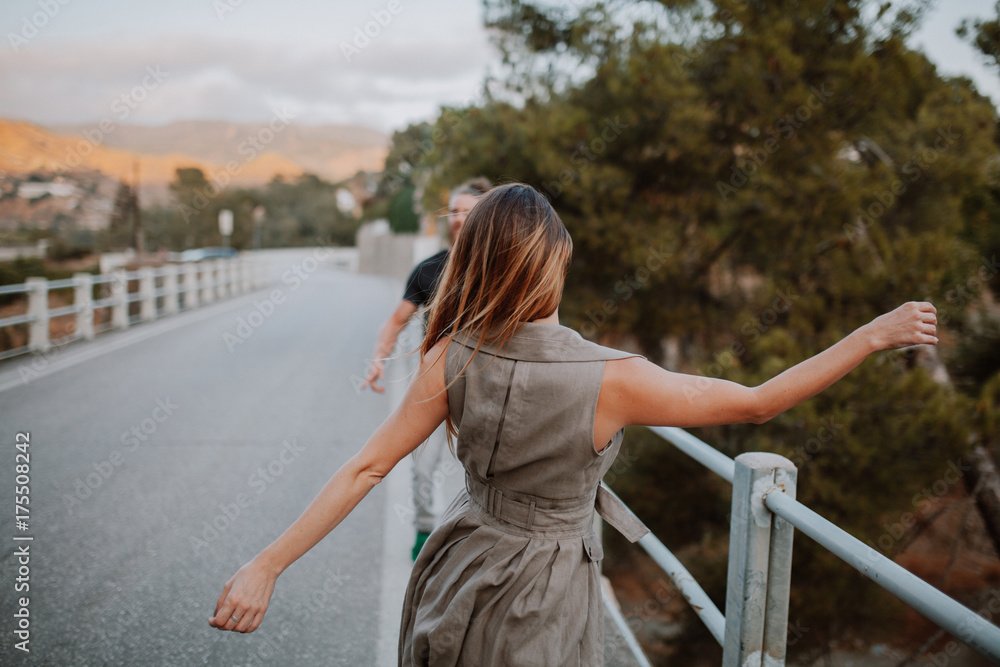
x=422 y=281
x=418 y=293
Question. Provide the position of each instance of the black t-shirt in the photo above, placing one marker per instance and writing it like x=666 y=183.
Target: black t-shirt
x=424 y=278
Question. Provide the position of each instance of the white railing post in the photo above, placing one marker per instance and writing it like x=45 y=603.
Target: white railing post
x=147 y=290
x=207 y=281
x=38 y=310
x=259 y=280
x=170 y=306
x=119 y=292
x=245 y=274
x=191 y=287
x=83 y=298
x=235 y=284
x=779 y=572
x=752 y=565
x=222 y=278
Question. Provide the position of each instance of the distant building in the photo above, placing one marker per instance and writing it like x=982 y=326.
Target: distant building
x=32 y=190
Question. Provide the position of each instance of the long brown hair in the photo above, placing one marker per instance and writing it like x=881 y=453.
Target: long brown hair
x=507 y=267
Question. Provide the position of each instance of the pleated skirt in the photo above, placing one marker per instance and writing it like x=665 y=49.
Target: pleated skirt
x=482 y=594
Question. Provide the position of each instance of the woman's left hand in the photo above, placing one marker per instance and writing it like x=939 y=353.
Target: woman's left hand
x=244 y=598
x=913 y=323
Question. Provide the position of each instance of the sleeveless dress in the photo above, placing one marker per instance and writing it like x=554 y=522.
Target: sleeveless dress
x=511 y=575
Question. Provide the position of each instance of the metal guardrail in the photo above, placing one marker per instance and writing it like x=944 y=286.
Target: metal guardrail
x=182 y=286
x=753 y=632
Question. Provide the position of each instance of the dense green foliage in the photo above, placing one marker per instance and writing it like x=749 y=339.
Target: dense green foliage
x=403 y=179
x=299 y=212
x=403 y=216
x=746 y=181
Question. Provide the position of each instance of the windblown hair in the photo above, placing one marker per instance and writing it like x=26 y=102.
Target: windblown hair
x=507 y=267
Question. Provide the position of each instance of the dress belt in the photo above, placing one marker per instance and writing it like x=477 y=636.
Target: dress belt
x=555 y=516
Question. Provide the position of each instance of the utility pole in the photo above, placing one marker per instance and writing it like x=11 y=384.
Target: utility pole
x=138 y=239
x=259 y=212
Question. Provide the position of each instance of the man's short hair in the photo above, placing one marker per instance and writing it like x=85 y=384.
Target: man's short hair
x=476 y=187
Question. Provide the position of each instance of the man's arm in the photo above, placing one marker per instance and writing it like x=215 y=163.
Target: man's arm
x=386 y=341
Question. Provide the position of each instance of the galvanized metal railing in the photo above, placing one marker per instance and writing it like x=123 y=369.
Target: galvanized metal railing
x=160 y=292
x=765 y=514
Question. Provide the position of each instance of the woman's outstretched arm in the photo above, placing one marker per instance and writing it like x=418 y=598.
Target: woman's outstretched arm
x=640 y=392
x=245 y=596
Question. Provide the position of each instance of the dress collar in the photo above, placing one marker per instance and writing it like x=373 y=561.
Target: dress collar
x=545 y=341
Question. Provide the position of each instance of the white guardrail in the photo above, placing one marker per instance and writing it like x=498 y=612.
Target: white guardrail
x=765 y=514
x=159 y=292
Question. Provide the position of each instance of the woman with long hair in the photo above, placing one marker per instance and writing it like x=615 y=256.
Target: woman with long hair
x=510 y=576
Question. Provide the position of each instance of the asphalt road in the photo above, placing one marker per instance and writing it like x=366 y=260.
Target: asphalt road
x=164 y=457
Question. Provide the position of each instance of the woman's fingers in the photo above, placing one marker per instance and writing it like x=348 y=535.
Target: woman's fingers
x=225 y=612
x=925 y=324
x=231 y=617
x=232 y=622
x=250 y=620
x=913 y=323
x=928 y=321
x=223 y=596
x=244 y=599
x=257 y=620
x=245 y=621
x=219 y=620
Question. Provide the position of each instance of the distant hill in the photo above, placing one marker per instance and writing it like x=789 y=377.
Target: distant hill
x=332 y=152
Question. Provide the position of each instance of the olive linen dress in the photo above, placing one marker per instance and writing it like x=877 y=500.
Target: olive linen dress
x=510 y=576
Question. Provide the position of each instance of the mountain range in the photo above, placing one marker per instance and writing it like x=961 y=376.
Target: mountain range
x=250 y=153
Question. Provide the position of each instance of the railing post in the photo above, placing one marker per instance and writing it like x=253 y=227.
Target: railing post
x=83 y=297
x=227 y=269
x=752 y=565
x=779 y=572
x=222 y=278
x=258 y=275
x=38 y=310
x=235 y=283
x=170 y=289
x=207 y=281
x=191 y=287
x=147 y=290
x=245 y=275
x=119 y=293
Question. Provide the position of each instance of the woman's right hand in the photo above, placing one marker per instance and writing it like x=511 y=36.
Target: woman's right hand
x=244 y=598
x=913 y=323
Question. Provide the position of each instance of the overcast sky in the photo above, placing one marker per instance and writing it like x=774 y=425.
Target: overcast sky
x=242 y=59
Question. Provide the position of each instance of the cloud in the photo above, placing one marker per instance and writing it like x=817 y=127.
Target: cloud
x=242 y=79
